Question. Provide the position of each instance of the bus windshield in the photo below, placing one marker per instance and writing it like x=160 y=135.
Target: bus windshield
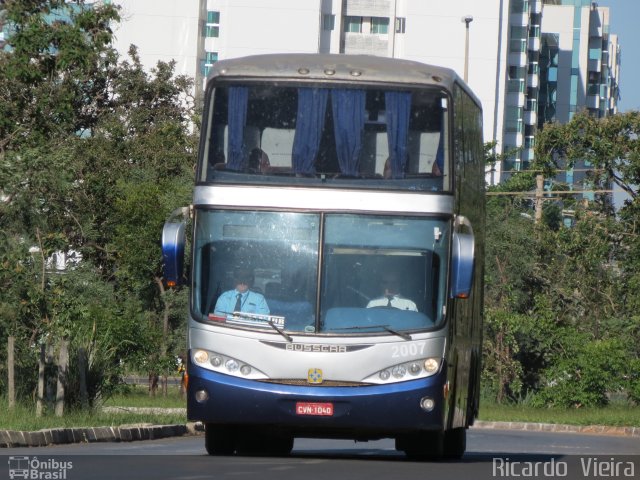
x=259 y=270
x=393 y=139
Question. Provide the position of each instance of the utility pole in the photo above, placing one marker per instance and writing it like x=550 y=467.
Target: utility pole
x=467 y=20
x=539 y=190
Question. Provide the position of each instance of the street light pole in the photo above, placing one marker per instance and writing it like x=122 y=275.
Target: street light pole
x=467 y=19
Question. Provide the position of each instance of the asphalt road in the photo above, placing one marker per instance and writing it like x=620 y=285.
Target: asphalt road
x=490 y=454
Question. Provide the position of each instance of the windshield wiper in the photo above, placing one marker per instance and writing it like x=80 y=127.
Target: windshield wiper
x=404 y=336
x=280 y=331
x=255 y=320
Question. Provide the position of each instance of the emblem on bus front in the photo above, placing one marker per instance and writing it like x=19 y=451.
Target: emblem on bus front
x=314 y=376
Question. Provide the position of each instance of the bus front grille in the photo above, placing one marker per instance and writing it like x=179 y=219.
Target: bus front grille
x=326 y=383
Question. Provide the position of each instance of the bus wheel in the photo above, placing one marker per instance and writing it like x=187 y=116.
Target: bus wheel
x=219 y=439
x=260 y=442
x=455 y=442
x=422 y=446
x=281 y=446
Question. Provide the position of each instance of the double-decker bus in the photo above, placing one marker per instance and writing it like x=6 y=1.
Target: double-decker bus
x=337 y=255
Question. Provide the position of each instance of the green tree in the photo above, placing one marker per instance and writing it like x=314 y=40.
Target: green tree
x=94 y=154
x=562 y=323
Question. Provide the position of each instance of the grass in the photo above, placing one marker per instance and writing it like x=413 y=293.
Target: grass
x=23 y=418
x=138 y=396
x=615 y=415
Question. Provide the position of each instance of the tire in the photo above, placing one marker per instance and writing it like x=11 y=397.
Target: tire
x=280 y=446
x=219 y=439
x=263 y=443
x=422 y=445
x=455 y=442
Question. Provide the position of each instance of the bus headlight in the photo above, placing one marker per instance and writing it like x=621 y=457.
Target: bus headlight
x=414 y=369
x=231 y=365
x=431 y=365
x=200 y=357
x=399 y=371
x=224 y=364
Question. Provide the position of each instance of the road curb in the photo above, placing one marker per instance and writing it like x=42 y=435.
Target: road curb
x=131 y=433
x=559 y=428
x=59 y=436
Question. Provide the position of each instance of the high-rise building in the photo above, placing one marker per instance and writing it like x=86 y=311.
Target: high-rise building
x=529 y=61
x=562 y=59
x=579 y=66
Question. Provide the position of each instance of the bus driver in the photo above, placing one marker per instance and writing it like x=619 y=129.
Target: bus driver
x=241 y=298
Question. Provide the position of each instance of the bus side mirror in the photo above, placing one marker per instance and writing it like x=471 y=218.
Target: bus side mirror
x=462 y=258
x=173 y=242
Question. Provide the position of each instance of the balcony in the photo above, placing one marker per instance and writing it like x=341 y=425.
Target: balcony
x=519 y=18
x=533 y=80
x=528 y=155
x=513 y=138
x=595 y=65
x=530 y=117
x=536 y=6
x=518 y=59
x=593 y=101
x=515 y=99
x=534 y=44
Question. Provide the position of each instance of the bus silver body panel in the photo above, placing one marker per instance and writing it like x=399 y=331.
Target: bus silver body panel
x=313 y=199
x=288 y=360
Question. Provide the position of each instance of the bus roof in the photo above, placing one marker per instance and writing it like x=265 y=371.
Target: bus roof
x=332 y=67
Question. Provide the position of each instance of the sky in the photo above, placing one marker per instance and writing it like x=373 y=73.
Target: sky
x=625 y=22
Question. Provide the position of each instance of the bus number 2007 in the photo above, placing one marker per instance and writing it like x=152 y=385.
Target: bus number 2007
x=407 y=350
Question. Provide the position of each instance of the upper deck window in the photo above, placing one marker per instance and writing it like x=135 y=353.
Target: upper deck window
x=363 y=138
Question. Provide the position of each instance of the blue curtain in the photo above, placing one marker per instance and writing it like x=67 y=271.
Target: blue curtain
x=438 y=168
x=398 y=106
x=312 y=106
x=237 y=119
x=348 y=124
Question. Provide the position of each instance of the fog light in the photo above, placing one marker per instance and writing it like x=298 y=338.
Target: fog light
x=427 y=404
x=200 y=356
x=245 y=370
x=201 y=396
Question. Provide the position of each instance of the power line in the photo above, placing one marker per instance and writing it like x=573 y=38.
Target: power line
x=552 y=192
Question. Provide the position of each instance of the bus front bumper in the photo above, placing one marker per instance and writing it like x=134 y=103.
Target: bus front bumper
x=372 y=411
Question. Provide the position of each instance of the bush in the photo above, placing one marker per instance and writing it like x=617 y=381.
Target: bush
x=586 y=374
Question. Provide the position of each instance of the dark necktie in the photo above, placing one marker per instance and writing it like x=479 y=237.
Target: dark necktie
x=389 y=298
x=238 y=306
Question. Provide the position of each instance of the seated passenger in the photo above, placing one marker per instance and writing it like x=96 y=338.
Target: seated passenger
x=390 y=286
x=258 y=161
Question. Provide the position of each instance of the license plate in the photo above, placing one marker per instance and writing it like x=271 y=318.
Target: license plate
x=314 y=408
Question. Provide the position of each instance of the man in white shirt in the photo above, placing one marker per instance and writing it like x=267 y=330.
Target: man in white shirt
x=391 y=295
